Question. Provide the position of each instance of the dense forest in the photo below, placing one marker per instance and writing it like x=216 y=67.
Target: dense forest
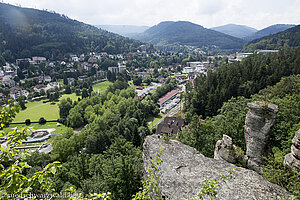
x=26 y=32
x=276 y=28
x=239 y=79
x=281 y=40
x=203 y=134
x=187 y=33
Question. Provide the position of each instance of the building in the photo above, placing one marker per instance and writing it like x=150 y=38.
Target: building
x=16 y=92
x=40 y=87
x=8 y=81
x=143 y=47
x=114 y=69
x=101 y=74
x=122 y=67
x=267 y=51
x=170 y=126
x=144 y=74
x=19 y=61
x=187 y=70
x=53 y=85
x=38 y=60
x=241 y=56
x=180 y=79
x=92 y=59
x=71 y=81
x=169 y=96
x=43 y=78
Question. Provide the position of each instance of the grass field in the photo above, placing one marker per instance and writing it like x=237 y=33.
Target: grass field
x=37 y=109
x=175 y=75
x=35 y=126
x=101 y=86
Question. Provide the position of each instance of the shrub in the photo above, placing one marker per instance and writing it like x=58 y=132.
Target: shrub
x=27 y=122
x=42 y=120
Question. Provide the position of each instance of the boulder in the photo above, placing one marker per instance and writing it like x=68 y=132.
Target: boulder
x=293 y=159
x=260 y=119
x=183 y=169
x=224 y=150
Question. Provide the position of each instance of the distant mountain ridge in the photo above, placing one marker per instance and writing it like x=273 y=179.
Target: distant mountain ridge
x=187 y=33
x=239 y=31
x=124 y=30
x=276 y=28
x=27 y=32
x=284 y=39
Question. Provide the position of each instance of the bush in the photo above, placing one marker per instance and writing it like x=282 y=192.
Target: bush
x=42 y=120
x=27 y=122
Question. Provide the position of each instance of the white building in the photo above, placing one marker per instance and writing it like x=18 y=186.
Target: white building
x=16 y=92
x=267 y=51
x=241 y=56
x=187 y=70
x=53 y=85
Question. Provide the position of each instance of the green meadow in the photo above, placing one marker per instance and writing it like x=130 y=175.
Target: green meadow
x=101 y=86
x=37 y=109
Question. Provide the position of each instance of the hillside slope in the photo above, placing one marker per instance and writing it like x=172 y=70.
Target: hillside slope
x=235 y=30
x=268 y=31
x=26 y=32
x=287 y=38
x=187 y=33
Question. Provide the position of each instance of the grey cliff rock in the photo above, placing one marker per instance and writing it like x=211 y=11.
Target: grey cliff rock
x=184 y=169
x=293 y=159
x=224 y=150
x=259 y=121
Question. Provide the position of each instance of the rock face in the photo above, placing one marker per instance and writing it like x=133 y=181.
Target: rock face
x=259 y=121
x=224 y=150
x=184 y=169
x=293 y=159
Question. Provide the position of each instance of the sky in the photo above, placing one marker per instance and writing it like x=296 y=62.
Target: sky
x=208 y=13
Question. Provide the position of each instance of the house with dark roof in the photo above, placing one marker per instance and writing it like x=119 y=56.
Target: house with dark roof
x=170 y=126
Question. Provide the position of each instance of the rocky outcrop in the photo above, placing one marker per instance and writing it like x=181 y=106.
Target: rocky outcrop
x=225 y=150
x=293 y=159
x=259 y=121
x=183 y=169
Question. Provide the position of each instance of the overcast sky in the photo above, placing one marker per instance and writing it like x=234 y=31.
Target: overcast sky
x=208 y=13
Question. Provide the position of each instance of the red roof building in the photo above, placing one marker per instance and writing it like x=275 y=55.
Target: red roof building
x=170 y=95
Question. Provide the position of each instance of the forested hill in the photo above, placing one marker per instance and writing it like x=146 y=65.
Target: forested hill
x=26 y=32
x=239 y=31
x=276 y=28
x=239 y=79
x=187 y=33
x=287 y=38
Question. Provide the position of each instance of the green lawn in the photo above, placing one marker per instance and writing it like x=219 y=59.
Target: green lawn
x=175 y=75
x=35 y=126
x=101 y=86
x=156 y=119
x=37 y=109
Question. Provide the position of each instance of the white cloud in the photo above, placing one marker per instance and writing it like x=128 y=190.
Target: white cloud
x=209 y=13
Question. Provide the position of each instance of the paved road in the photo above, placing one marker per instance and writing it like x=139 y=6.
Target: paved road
x=172 y=112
